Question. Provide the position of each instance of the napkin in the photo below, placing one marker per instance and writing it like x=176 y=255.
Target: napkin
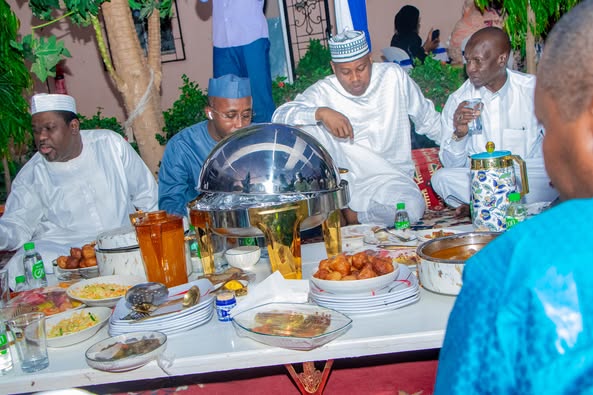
x=273 y=289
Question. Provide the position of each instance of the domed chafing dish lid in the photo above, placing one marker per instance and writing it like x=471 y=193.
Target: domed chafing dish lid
x=269 y=159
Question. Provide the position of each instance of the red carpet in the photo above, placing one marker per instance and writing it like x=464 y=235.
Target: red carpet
x=401 y=378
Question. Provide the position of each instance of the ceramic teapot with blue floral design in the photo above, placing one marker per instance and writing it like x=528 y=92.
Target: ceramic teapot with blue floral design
x=492 y=179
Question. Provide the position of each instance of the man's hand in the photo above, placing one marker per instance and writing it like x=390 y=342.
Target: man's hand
x=462 y=117
x=337 y=123
x=350 y=216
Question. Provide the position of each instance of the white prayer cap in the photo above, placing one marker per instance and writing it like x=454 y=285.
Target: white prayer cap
x=42 y=102
x=348 y=46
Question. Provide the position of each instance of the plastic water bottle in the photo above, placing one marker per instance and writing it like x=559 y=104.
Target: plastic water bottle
x=34 y=268
x=516 y=212
x=402 y=219
x=20 y=278
x=194 y=252
x=5 y=356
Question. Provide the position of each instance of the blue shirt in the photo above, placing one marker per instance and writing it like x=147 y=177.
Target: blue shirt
x=179 y=174
x=238 y=22
x=523 y=322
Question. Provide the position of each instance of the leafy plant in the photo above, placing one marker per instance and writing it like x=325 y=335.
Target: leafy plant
x=98 y=121
x=186 y=111
x=312 y=67
x=437 y=79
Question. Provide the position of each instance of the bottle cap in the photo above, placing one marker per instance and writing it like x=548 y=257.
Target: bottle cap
x=401 y=206
x=192 y=228
x=514 y=197
x=29 y=246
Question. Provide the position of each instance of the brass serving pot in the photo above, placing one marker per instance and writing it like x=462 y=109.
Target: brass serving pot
x=442 y=260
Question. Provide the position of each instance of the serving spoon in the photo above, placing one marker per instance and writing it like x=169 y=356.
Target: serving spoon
x=191 y=298
x=144 y=310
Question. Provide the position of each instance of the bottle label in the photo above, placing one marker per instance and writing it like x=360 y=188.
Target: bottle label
x=402 y=225
x=38 y=271
x=3 y=341
x=19 y=279
x=511 y=221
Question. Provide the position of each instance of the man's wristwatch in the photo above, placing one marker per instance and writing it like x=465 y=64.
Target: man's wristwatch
x=455 y=137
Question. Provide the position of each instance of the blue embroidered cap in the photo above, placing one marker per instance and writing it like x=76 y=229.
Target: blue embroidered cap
x=229 y=86
x=348 y=46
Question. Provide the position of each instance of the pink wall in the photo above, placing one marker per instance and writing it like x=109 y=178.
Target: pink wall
x=89 y=83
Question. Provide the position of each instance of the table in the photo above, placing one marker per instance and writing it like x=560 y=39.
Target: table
x=216 y=347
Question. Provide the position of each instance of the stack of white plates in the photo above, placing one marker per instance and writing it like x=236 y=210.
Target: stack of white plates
x=404 y=290
x=171 y=323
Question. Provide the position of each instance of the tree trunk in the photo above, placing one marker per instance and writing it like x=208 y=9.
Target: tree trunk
x=530 y=41
x=138 y=82
x=7 y=180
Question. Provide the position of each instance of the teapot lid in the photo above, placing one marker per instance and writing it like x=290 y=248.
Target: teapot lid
x=490 y=153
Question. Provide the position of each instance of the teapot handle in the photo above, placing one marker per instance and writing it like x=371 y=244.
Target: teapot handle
x=524 y=180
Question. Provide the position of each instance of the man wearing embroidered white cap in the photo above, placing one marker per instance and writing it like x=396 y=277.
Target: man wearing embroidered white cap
x=229 y=109
x=361 y=114
x=79 y=183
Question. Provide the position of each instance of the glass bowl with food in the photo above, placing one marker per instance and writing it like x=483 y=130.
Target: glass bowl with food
x=297 y=326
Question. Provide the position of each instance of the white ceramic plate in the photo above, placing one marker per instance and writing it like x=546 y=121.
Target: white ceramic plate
x=246 y=325
x=144 y=347
x=101 y=314
x=356 y=286
x=383 y=237
x=105 y=302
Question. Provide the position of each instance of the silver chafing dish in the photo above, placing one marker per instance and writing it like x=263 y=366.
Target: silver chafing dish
x=272 y=180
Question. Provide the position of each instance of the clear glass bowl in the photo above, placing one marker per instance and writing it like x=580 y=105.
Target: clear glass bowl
x=297 y=326
x=144 y=347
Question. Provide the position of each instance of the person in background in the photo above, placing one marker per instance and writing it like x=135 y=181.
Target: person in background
x=407 y=25
x=80 y=182
x=360 y=114
x=242 y=48
x=507 y=117
x=472 y=20
x=523 y=322
x=229 y=109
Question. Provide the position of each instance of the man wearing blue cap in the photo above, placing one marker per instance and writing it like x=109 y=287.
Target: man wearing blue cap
x=229 y=109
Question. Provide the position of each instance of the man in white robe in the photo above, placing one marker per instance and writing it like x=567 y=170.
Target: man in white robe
x=78 y=184
x=361 y=115
x=507 y=116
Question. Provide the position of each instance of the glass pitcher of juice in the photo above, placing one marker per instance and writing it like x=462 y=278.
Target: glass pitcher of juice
x=162 y=245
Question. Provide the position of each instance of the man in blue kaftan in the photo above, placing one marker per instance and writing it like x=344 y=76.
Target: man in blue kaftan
x=229 y=109
x=523 y=322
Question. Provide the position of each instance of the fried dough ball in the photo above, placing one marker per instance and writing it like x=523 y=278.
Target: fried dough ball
x=324 y=264
x=321 y=274
x=62 y=261
x=350 y=278
x=367 y=272
x=76 y=252
x=359 y=259
x=72 y=262
x=334 y=276
x=340 y=264
x=382 y=265
x=88 y=262
x=88 y=251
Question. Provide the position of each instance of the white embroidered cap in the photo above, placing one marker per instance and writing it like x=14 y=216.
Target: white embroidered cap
x=42 y=102
x=348 y=46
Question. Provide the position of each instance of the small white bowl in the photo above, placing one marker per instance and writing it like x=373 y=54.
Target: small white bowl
x=243 y=257
x=101 y=314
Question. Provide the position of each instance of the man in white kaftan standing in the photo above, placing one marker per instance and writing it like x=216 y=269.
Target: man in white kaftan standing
x=78 y=184
x=508 y=120
x=361 y=114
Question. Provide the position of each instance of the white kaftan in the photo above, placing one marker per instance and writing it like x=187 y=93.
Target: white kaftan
x=509 y=121
x=69 y=203
x=379 y=158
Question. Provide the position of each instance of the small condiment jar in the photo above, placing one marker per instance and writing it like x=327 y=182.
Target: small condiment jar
x=225 y=301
